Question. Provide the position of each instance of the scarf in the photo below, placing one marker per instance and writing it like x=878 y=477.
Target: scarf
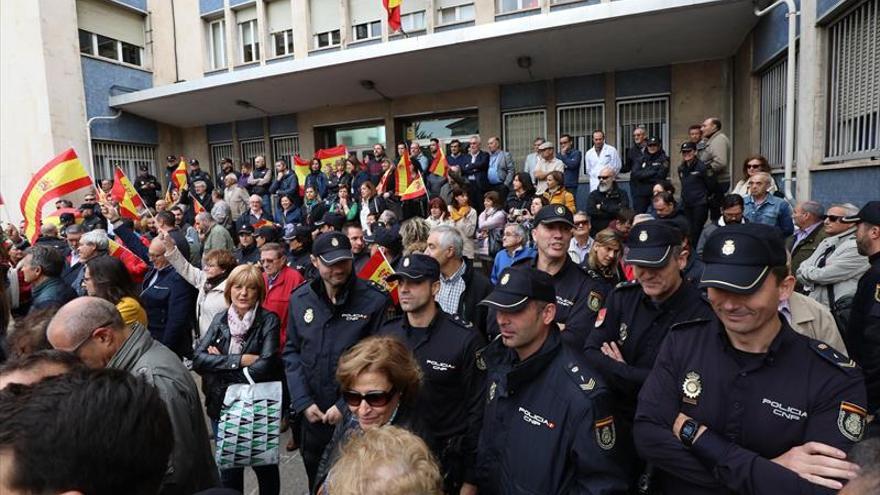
x=458 y=213
x=238 y=328
x=212 y=282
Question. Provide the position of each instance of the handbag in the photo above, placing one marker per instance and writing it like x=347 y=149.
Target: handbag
x=494 y=242
x=249 y=429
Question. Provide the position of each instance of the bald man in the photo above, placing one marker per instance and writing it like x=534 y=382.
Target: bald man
x=92 y=329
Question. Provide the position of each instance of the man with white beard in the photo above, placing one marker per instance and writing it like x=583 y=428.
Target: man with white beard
x=606 y=201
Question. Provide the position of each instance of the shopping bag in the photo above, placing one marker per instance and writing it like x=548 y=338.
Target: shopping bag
x=250 y=425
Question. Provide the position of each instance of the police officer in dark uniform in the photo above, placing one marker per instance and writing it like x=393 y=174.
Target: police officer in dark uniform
x=548 y=426
x=578 y=296
x=197 y=174
x=653 y=168
x=147 y=185
x=247 y=251
x=451 y=397
x=327 y=316
x=299 y=257
x=741 y=403
x=697 y=184
x=863 y=331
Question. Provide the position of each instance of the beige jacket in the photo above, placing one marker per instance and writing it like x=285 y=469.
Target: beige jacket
x=716 y=154
x=811 y=318
x=237 y=199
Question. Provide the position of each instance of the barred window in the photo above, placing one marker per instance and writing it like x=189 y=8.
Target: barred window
x=109 y=154
x=773 y=94
x=579 y=121
x=853 y=84
x=284 y=147
x=251 y=149
x=520 y=130
x=650 y=113
x=219 y=151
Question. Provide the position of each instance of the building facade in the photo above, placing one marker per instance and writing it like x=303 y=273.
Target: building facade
x=210 y=79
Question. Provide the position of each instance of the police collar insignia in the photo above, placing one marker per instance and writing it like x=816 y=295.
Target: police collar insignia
x=851 y=421
x=728 y=248
x=309 y=315
x=606 y=435
x=492 y=389
x=692 y=386
x=877 y=293
x=623 y=333
x=643 y=236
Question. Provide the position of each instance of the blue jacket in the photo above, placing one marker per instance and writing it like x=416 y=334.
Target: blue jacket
x=319 y=181
x=503 y=260
x=572 y=161
x=291 y=216
x=288 y=185
x=52 y=292
x=773 y=211
x=476 y=172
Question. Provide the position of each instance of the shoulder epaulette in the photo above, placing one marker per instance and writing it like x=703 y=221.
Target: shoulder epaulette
x=583 y=378
x=684 y=325
x=374 y=285
x=832 y=356
x=458 y=320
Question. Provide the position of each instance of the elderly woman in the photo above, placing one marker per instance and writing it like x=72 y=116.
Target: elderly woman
x=751 y=166
x=106 y=277
x=379 y=379
x=244 y=336
x=210 y=281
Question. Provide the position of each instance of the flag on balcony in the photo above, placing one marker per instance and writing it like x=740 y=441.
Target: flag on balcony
x=439 y=166
x=124 y=193
x=301 y=168
x=62 y=176
x=393 y=9
x=329 y=156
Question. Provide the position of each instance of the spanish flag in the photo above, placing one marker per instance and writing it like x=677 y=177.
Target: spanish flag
x=197 y=206
x=62 y=176
x=124 y=193
x=135 y=266
x=393 y=9
x=179 y=176
x=329 y=156
x=377 y=270
x=55 y=217
x=403 y=175
x=301 y=168
x=415 y=190
x=439 y=166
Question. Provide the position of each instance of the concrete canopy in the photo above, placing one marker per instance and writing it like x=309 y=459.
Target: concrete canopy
x=605 y=37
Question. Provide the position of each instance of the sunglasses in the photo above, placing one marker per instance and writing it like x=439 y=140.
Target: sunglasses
x=374 y=399
x=751 y=165
x=581 y=223
x=834 y=218
x=604 y=177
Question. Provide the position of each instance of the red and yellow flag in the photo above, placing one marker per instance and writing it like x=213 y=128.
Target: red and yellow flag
x=377 y=270
x=301 y=168
x=261 y=223
x=62 y=176
x=135 y=266
x=55 y=217
x=440 y=166
x=124 y=193
x=179 y=176
x=329 y=156
x=403 y=175
x=415 y=190
x=197 y=206
x=393 y=9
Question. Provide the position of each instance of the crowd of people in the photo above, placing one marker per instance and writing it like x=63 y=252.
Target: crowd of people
x=543 y=329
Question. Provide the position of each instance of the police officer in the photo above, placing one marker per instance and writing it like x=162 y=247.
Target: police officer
x=147 y=185
x=327 y=316
x=547 y=426
x=299 y=244
x=578 y=295
x=863 y=331
x=247 y=251
x=451 y=397
x=742 y=403
x=653 y=168
x=697 y=184
x=197 y=174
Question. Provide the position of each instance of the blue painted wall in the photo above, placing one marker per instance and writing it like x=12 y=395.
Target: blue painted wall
x=249 y=129
x=525 y=95
x=138 y=4
x=233 y=3
x=854 y=185
x=218 y=133
x=101 y=80
x=282 y=124
x=826 y=7
x=637 y=82
x=580 y=88
x=206 y=6
x=771 y=35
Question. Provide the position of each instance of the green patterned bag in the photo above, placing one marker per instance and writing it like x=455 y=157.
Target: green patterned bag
x=250 y=425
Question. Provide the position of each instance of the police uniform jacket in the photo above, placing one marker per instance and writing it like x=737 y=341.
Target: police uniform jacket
x=453 y=388
x=319 y=332
x=648 y=171
x=249 y=254
x=756 y=407
x=301 y=261
x=203 y=176
x=149 y=195
x=548 y=427
x=863 y=332
x=697 y=183
x=638 y=326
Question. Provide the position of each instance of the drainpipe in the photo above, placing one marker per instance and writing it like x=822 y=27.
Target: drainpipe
x=789 y=88
x=89 y=139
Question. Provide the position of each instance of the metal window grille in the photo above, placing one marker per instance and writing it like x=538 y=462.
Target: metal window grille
x=650 y=113
x=251 y=149
x=579 y=121
x=219 y=151
x=773 y=93
x=854 y=84
x=520 y=130
x=127 y=156
x=284 y=147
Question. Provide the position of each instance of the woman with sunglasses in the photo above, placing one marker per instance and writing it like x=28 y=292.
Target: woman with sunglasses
x=751 y=166
x=379 y=379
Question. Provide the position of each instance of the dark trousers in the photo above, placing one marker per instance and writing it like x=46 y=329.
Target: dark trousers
x=696 y=216
x=268 y=477
x=641 y=203
x=315 y=437
x=716 y=200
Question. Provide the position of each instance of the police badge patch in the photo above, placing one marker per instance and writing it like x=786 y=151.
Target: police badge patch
x=309 y=315
x=623 y=333
x=692 y=387
x=492 y=391
x=851 y=421
x=594 y=301
x=606 y=435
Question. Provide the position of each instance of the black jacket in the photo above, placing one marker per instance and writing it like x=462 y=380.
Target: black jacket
x=649 y=171
x=249 y=254
x=201 y=175
x=635 y=155
x=603 y=207
x=221 y=370
x=863 y=330
x=477 y=172
x=476 y=288
x=697 y=183
x=548 y=426
x=319 y=332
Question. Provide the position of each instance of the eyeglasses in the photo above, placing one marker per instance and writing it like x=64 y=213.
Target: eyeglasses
x=374 y=399
x=82 y=343
x=604 y=177
x=267 y=261
x=581 y=223
x=753 y=165
x=834 y=218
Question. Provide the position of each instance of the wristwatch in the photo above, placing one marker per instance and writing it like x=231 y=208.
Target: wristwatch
x=688 y=432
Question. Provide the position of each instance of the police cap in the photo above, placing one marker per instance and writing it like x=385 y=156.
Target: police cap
x=292 y=232
x=688 y=146
x=385 y=237
x=869 y=213
x=738 y=257
x=332 y=219
x=517 y=285
x=246 y=229
x=267 y=232
x=417 y=267
x=332 y=247
x=650 y=243
x=554 y=214
x=653 y=140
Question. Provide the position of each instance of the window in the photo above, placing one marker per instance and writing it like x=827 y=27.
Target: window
x=520 y=130
x=127 y=156
x=283 y=42
x=130 y=54
x=413 y=22
x=367 y=30
x=250 y=46
x=109 y=48
x=85 y=42
x=110 y=31
x=650 y=113
x=330 y=38
x=251 y=149
x=773 y=93
x=853 y=86
x=284 y=147
x=460 y=125
x=219 y=151
x=217 y=44
x=456 y=14
x=579 y=121
x=505 y=6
